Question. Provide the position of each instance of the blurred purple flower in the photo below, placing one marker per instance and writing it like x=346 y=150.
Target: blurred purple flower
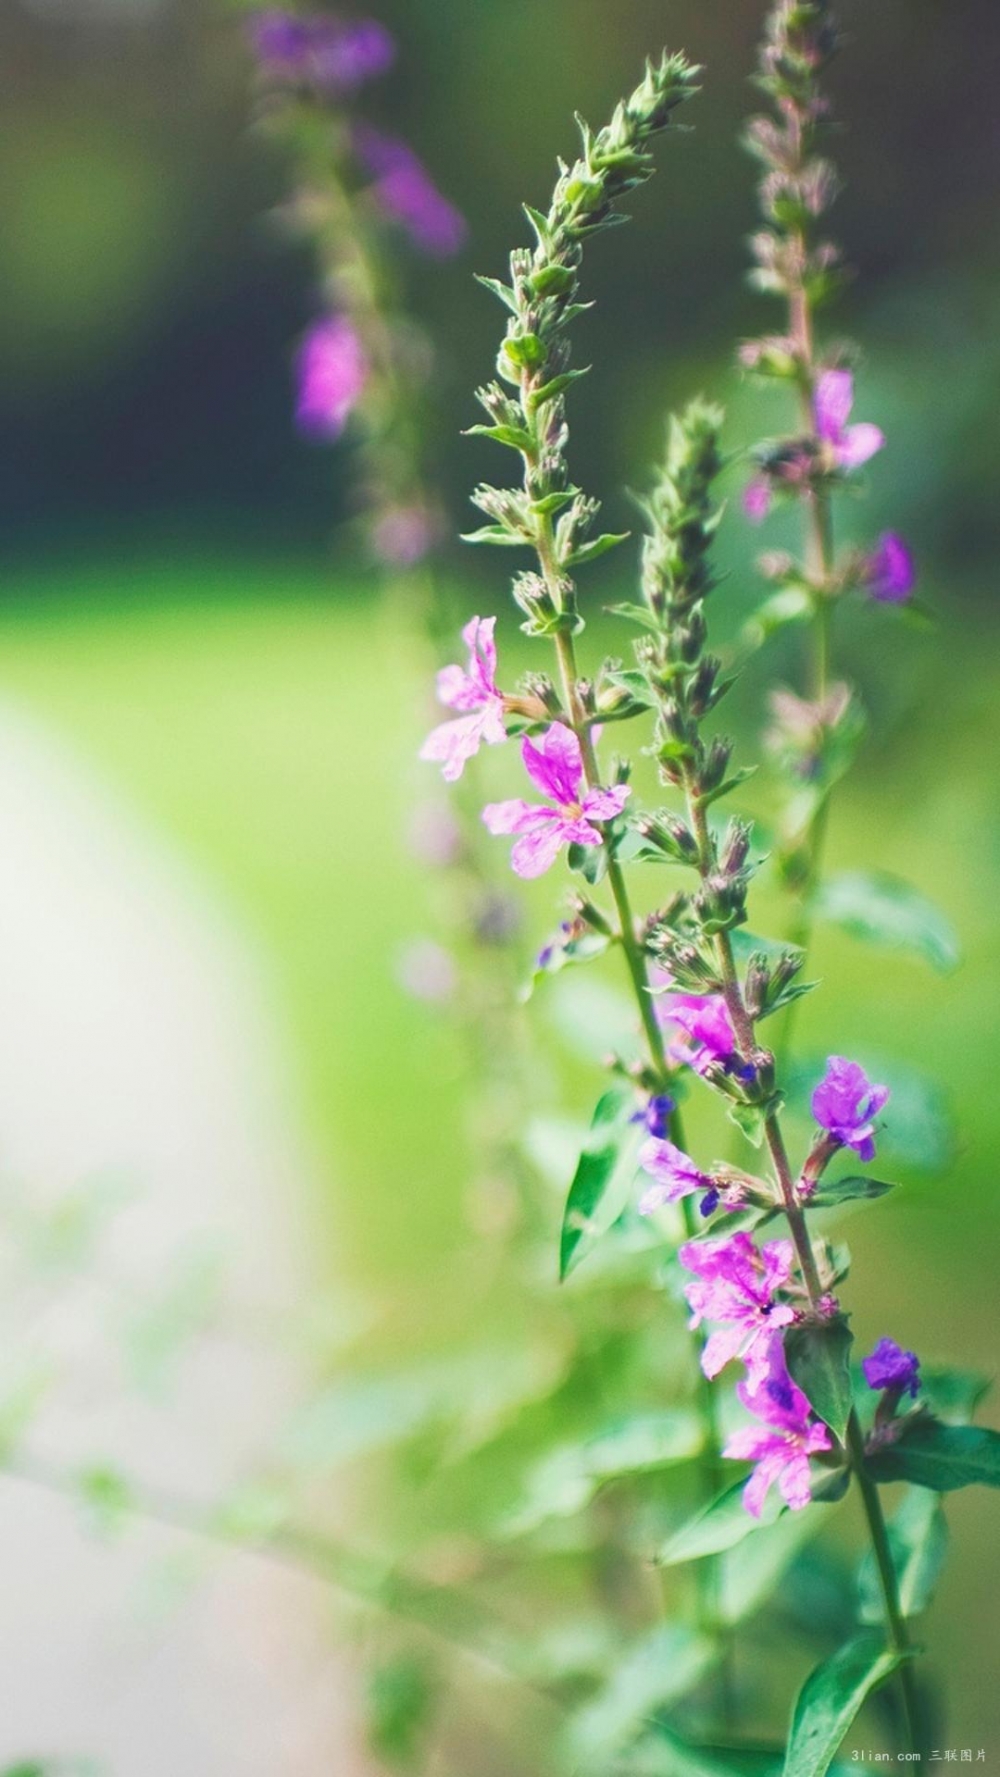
x=705 y=1021
x=846 y=1103
x=280 y=41
x=890 y=571
x=332 y=371
x=757 y=499
x=427 y=971
x=735 y=1284
x=403 y=535
x=473 y=690
x=406 y=191
x=556 y=766
x=782 y=1446
x=833 y=400
x=674 y=1175
x=889 y=1366
x=324 y=51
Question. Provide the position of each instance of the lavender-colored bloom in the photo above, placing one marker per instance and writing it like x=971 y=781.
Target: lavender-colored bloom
x=345 y=56
x=735 y=1284
x=403 y=535
x=473 y=690
x=556 y=766
x=757 y=498
x=319 y=50
x=846 y=1103
x=406 y=191
x=427 y=971
x=705 y=1021
x=833 y=400
x=281 y=42
x=332 y=371
x=890 y=571
x=782 y=1446
x=657 y=1114
x=889 y=1366
x=674 y=1175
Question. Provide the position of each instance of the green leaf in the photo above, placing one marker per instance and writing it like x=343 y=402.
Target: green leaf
x=750 y=1572
x=830 y=1699
x=752 y=1119
x=918 y=1538
x=640 y=614
x=833 y=1192
x=654 y=1672
x=818 y=1353
x=720 y=1525
x=597 y=547
x=731 y=783
x=498 y=535
x=665 y=1754
x=793 y=604
x=556 y=385
x=607 y=1161
x=503 y=291
x=566 y=1480
x=401 y=1697
x=942 y=1457
x=883 y=910
x=514 y=436
x=590 y=861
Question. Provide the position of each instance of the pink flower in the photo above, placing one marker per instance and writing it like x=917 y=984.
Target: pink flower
x=332 y=371
x=757 y=499
x=674 y=1175
x=735 y=1284
x=406 y=192
x=833 y=399
x=473 y=691
x=705 y=1021
x=846 y=1103
x=782 y=1446
x=556 y=766
x=890 y=572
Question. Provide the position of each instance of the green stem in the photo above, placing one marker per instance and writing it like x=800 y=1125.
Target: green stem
x=898 y=1633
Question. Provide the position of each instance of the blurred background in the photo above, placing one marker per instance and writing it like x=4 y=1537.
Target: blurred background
x=240 y=1240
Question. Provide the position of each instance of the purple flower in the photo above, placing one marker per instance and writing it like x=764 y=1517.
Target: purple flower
x=833 y=399
x=403 y=535
x=890 y=572
x=705 y=1021
x=657 y=1114
x=332 y=371
x=889 y=1366
x=735 y=1284
x=556 y=766
x=757 y=497
x=406 y=191
x=846 y=1103
x=674 y=1175
x=335 y=56
x=474 y=691
x=782 y=1446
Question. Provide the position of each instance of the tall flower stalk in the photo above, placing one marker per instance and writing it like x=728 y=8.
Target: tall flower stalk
x=814 y=735
x=817 y=1426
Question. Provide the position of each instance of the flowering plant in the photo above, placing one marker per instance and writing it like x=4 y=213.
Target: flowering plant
x=703 y=987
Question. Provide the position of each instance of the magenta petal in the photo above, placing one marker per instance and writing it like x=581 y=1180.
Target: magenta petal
x=833 y=399
x=757 y=499
x=478 y=638
x=758 y=1487
x=604 y=805
x=858 y=444
x=555 y=764
x=509 y=817
x=793 y=1481
x=453 y=744
x=536 y=852
x=722 y=1346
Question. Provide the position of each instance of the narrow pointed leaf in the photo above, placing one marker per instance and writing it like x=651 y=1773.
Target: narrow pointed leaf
x=720 y=1525
x=918 y=1538
x=602 y=1180
x=830 y=1699
x=883 y=910
x=598 y=546
x=848 y=1190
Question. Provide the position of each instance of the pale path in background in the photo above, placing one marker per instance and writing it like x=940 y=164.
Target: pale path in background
x=137 y=1046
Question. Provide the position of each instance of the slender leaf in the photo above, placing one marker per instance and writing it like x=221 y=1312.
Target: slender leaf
x=607 y=1160
x=855 y=1186
x=954 y=1395
x=653 y=1673
x=750 y=1572
x=818 y=1353
x=943 y=1457
x=597 y=547
x=918 y=1538
x=883 y=910
x=720 y=1525
x=830 y=1699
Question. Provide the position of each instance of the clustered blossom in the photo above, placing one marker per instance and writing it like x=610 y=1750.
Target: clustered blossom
x=845 y=1103
x=405 y=191
x=555 y=765
x=707 y=1027
x=320 y=50
x=472 y=690
x=890 y=1367
x=332 y=371
x=735 y=1285
x=782 y=1445
x=890 y=572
